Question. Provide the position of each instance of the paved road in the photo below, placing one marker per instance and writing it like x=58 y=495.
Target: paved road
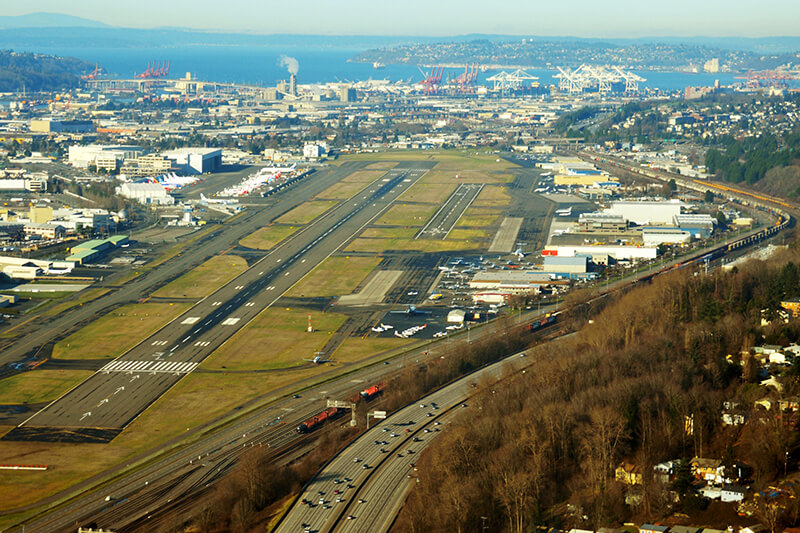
x=362 y=488
x=443 y=221
x=100 y=407
x=184 y=472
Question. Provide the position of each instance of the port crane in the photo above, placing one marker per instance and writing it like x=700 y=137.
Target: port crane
x=433 y=80
x=770 y=78
x=92 y=75
x=154 y=72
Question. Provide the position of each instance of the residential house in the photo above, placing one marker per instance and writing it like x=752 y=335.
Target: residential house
x=628 y=473
x=651 y=528
x=732 y=493
x=710 y=470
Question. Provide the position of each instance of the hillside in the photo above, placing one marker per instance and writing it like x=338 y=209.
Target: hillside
x=38 y=72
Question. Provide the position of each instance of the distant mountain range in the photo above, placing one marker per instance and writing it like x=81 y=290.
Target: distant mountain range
x=68 y=31
x=48 y=20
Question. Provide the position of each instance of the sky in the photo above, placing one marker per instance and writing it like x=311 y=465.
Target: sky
x=582 y=18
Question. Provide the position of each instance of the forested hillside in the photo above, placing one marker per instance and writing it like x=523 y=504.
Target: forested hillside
x=542 y=448
x=39 y=72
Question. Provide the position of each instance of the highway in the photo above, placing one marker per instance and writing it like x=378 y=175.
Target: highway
x=443 y=221
x=100 y=407
x=361 y=489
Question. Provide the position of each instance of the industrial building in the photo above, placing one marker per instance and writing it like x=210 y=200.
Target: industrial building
x=653 y=236
x=23 y=185
x=90 y=250
x=561 y=265
x=598 y=252
x=147 y=165
x=700 y=226
x=196 y=160
x=50 y=125
x=105 y=157
x=647 y=212
x=23 y=268
x=512 y=281
x=146 y=193
x=45 y=231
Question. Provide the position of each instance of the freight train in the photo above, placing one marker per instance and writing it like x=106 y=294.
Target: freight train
x=333 y=412
x=546 y=320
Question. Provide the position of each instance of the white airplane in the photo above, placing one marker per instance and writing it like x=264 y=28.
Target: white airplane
x=412 y=310
x=519 y=253
x=223 y=201
x=319 y=358
x=564 y=212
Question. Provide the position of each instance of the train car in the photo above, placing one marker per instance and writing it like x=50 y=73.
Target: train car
x=372 y=392
x=546 y=320
x=318 y=419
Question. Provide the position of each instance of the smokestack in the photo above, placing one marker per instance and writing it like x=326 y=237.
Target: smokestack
x=293 y=84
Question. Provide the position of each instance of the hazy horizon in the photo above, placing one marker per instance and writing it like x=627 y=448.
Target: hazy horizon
x=578 y=18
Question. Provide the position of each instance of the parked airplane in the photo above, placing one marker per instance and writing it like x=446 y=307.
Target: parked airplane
x=412 y=310
x=564 y=212
x=223 y=201
x=519 y=253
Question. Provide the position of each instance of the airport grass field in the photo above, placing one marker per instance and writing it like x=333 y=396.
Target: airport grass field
x=275 y=339
x=306 y=212
x=205 y=279
x=111 y=335
x=39 y=385
x=335 y=276
x=268 y=237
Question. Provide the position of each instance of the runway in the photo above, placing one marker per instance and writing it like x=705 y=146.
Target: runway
x=445 y=219
x=102 y=406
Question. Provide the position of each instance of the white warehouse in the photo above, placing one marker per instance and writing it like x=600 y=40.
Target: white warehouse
x=646 y=212
x=146 y=193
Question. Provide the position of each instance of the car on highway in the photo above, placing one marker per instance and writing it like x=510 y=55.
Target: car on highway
x=365 y=466
x=362 y=500
x=393 y=435
x=426 y=430
x=351 y=517
x=357 y=460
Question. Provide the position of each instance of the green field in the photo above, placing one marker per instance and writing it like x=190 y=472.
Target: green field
x=114 y=333
x=267 y=237
x=306 y=212
x=335 y=276
x=445 y=159
x=430 y=193
x=39 y=385
x=390 y=233
x=401 y=214
x=355 y=349
x=205 y=279
x=494 y=196
x=373 y=245
x=343 y=190
x=275 y=339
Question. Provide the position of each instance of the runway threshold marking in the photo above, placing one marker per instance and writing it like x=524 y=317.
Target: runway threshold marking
x=230 y=321
x=176 y=367
x=191 y=320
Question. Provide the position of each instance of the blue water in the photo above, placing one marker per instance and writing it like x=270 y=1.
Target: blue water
x=259 y=65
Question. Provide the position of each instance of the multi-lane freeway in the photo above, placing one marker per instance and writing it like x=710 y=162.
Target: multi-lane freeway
x=100 y=407
x=361 y=489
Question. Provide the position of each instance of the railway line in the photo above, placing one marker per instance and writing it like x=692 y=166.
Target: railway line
x=177 y=477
